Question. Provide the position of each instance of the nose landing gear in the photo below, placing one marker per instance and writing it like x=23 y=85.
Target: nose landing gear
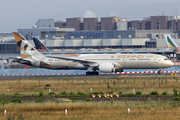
x=160 y=71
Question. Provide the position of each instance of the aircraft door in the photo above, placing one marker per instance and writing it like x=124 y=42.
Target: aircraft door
x=124 y=60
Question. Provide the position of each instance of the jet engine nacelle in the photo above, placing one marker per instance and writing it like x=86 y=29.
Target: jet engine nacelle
x=107 y=67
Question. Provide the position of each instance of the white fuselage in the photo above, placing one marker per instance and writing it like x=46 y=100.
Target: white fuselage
x=121 y=61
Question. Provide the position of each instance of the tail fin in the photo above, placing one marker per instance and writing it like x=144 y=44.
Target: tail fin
x=39 y=45
x=26 y=49
x=170 y=41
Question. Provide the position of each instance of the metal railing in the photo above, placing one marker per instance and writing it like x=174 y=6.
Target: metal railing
x=176 y=62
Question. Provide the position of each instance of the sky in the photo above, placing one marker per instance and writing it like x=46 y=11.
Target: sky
x=16 y=14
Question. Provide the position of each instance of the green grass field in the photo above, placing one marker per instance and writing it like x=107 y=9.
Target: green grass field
x=80 y=109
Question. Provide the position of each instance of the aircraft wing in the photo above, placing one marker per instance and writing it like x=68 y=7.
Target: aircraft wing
x=76 y=59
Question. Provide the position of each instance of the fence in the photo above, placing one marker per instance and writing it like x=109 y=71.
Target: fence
x=176 y=62
x=40 y=71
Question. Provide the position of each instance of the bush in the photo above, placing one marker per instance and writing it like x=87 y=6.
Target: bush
x=75 y=100
x=39 y=101
x=81 y=93
x=17 y=93
x=41 y=93
x=130 y=94
x=51 y=93
x=1 y=100
x=138 y=93
x=16 y=100
x=47 y=85
x=177 y=99
x=96 y=93
x=5 y=101
x=164 y=93
x=154 y=93
x=71 y=93
x=63 y=93
x=88 y=99
x=175 y=91
x=120 y=92
x=101 y=92
x=110 y=92
x=34 y=94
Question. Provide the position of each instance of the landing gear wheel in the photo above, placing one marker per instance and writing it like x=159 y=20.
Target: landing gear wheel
x=87 y=73
x=92 y=73
x=96 y=73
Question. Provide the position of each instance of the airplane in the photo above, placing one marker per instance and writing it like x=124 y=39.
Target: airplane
x=39 y=46
x=170 y=41
x=93 y=63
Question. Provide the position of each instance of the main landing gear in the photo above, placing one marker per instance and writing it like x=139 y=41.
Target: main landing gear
x=92 y=73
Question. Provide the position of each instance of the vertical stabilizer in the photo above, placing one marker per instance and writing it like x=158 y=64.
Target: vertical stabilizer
x=170 y=41
x=39 y=45
x=26 y=49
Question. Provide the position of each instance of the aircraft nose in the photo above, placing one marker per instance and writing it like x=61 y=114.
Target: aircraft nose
x=170 y=64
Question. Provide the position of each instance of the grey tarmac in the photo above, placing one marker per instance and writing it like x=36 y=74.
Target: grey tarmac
x=89 y=76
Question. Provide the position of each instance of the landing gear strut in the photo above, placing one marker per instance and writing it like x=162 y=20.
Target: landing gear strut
x=92 y=73
x=160 y=71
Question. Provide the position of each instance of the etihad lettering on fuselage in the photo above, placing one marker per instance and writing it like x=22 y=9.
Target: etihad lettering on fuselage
x=150 y=56
x=131 y=56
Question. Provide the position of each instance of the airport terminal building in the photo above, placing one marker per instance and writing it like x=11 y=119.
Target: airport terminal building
x=62 y=38
x=94 y=33
x=56 y=38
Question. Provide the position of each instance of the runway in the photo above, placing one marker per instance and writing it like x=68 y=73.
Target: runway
x=88 y=76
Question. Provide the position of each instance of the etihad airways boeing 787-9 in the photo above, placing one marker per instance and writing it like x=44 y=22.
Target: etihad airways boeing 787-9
x=93 y=63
